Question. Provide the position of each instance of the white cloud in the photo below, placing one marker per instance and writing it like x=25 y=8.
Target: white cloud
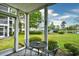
x=50 y=12
x=64 y=17
x=57 y=18
x=54 y=14
x=42 y=12
x=75 y=10
x=57 y=22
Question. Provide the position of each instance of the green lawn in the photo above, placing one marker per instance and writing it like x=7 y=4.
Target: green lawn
x=63 y=38
x=6 y=43
x=60 y=38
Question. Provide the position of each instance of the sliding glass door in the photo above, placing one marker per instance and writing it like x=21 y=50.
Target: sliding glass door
x=6 y=29
x=21 y=40
x=6 y=34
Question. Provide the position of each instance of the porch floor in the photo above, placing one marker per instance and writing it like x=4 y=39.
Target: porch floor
x=28 y=53
x=35 y=53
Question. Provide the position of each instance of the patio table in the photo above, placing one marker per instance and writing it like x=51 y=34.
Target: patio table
x=38 y=45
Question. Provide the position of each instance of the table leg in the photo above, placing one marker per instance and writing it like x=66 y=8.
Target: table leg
x=38 y=51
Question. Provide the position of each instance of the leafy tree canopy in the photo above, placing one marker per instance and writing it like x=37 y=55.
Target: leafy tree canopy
x=51 y=26
x=35 y=19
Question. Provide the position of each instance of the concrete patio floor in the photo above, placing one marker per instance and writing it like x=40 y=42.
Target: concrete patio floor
x=35 y=53
x=28 y=53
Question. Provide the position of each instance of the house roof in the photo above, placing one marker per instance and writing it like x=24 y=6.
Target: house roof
x=28 y=7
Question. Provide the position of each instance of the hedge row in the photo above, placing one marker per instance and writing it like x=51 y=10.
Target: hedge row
x=51 y=44
x=71 y=48
x=35 y=32
x=54 y=44
x=35 y=39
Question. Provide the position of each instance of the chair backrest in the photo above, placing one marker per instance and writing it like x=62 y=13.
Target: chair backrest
x=55 y=51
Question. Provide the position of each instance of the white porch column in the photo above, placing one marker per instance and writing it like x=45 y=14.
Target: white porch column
x=8 y=23
x=27 y=30
x=8 y=27
x=46 y=26
x=16 y=33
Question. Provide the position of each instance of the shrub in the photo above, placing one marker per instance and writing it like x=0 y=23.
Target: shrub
x=21 y=44
x=61 y=32
x=35 y=39
x=11 y=33
x=71 y=48
x=67 y=46
x=55 y=31
x=52 y=45
x=70 y=32
x=21 y=32
x=35 y=32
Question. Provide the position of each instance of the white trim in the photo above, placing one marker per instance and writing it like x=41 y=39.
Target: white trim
x=25 y=27
x=1 y=36
x=8 y=23
x=3 y=25
x=27 y=30
x=8 y=27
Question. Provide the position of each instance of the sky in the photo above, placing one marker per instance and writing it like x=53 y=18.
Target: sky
x=64 y=7
x=68 y=12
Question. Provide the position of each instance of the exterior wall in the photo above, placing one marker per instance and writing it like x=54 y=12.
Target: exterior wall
x=3 y=8
x=1 y=31
x=3 y=21
x=6 y=23
x=4 y=26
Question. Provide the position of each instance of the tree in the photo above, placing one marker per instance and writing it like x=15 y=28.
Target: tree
x=20 y=26
x=21 y=21
x=35 y=19
x=51 y=26
x=63 y=24
x=57 y=27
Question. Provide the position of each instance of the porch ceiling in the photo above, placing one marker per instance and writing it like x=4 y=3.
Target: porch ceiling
x=28 y=7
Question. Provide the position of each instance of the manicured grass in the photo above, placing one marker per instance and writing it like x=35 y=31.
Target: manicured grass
x=9 y=42
x=63 y=38
x=6 y=43
x=60 y=38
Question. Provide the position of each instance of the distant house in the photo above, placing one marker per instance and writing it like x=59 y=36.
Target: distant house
x=6 y=26
x=77 y=29
x=6 y=23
